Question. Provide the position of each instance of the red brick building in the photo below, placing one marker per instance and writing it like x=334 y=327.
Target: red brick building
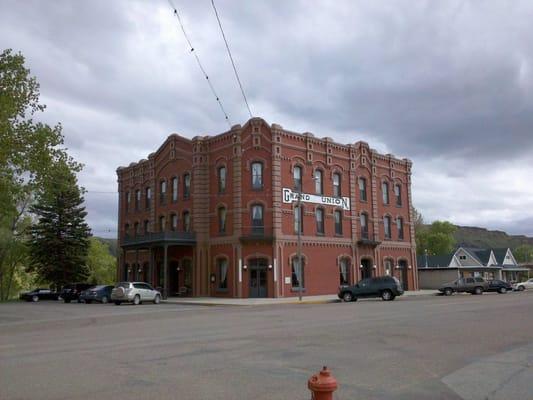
x=218 y=215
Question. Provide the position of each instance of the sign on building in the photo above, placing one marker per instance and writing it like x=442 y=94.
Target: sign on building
x=289 y=197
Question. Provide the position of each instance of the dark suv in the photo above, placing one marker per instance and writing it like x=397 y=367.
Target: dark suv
x=73 y=291
x=386 y=287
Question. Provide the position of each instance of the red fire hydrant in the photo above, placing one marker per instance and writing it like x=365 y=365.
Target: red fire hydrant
x=322 y=385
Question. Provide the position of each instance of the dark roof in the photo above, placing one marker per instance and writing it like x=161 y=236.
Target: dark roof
x=481 y=255
x=500 y=255
x=441 y=260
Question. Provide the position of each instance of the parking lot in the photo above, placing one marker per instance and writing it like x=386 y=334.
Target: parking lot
x=413 y=348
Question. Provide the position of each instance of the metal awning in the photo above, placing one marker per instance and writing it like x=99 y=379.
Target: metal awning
x=159 y=238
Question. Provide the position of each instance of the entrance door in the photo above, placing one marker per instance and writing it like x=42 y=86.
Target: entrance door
x=258 y=277
x=403 y=273
x=366 y=271
x=173 y=281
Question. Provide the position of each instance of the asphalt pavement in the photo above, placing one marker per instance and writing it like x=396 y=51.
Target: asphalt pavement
x=459 y=347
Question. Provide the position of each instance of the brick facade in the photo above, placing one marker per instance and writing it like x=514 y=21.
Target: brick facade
x=254 y=256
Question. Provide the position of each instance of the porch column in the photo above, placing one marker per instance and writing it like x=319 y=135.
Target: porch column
x=165 y=272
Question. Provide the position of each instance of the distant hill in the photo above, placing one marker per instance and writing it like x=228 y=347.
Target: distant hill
x=112 y=243
x=471 y=236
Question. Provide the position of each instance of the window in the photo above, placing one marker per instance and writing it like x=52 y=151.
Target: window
x=385 y=191
x=297 y=273
x=128 y=201
x=338 y=222
x=398 y=194
x=162 y=192
x=222 y=220
x=146 y=226
x=257 y=176
x=186 y=186
x=364 y=225
x=137 y=200
x=319 y=214
x=462 y=257
x=336 y=185
x=136 y=228
x=362 y=189
x=174 y=222
x=127 y=229
x=297 y=176
x=174 y=189
x=148 y=198
x=161 y=223
x=399 y=225
x=319 y=189
x=222 y=268
x=298 y=221
x=344 y=271
x=186 y=221
x=386 y=225
x=388 y=267
x=257 y=219
x=222 y=180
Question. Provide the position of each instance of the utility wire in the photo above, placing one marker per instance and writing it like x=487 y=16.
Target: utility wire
x=231 y=58
x=199 y=63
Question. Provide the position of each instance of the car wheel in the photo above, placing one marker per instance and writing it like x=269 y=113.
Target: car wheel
x=521 y=288
x=118 y=303
x=105 y=300
x=347 y=297
x=478 y=290
x=34 y=298
x=157 y=299
x=136 y=300
x=386 y=295
x=502 y=290
x=448 y=291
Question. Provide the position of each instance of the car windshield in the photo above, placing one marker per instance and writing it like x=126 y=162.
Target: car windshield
x=125 y=285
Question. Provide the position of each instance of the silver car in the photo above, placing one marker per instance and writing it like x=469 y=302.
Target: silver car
x=134 y=292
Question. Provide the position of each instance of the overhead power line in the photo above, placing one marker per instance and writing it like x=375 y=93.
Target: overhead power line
x=199 y=63
x=231 y=58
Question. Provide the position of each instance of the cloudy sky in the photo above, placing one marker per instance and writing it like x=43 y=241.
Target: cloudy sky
x=448 y=84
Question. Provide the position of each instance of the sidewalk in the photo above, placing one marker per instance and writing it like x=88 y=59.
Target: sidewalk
x=220 y=301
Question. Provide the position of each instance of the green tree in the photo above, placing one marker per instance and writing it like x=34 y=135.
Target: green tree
x=28 y=153
x=437 y=238
x=523 y=253
x=60 y=239
x=102 y=265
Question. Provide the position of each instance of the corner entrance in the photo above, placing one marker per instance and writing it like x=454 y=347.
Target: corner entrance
x=258 y=277
x=366 y=268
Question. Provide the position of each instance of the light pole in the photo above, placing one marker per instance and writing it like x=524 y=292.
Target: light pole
x=426 y=254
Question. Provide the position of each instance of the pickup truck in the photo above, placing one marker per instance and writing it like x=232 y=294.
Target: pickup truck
x=475 y=285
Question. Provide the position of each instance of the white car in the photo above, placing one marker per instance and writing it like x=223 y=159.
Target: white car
x=134 y=292
x=524 y=285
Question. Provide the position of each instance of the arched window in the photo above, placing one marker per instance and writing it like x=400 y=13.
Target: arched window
x=298 y=220
x=388 y=266
x=136 y=228
x=162 y=192
x=297 y=273
x=364 y=225
x=162 y=223
x=398 y=194
x=385 y=192
x=222 y=220
x=186 y=186
x=174 y=189
x=137 y=200
x=399 y=226
x=146 y=226
x=128 y=201
x=186 y=221
x=319 y=187
x=337 y=185
x=222 y=269
x=222 y=180
x=297 y=177
x=319 y=215
x=148 y=198
x=387 y=227
x=338 y=222
x=344 y=271
x=127 y=229
x=257 y=175
x=257 y=219
x=174 y=222
x=362 y=189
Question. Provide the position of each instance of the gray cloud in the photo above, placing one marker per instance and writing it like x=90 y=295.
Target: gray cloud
x=447 y=84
